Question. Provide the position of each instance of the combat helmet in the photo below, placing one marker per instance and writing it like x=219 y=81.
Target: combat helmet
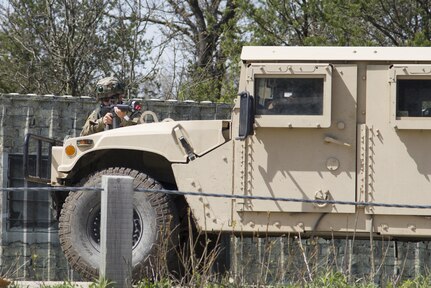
x=108 y=87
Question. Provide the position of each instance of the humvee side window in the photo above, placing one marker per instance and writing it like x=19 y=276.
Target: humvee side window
x=413 y=98
x=289 y=96
x=410 y=96
x=293 y=95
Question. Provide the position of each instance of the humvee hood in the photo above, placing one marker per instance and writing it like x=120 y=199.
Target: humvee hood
x=163 y=138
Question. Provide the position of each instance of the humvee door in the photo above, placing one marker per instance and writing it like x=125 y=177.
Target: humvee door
x=398 y=137
x=305 y=134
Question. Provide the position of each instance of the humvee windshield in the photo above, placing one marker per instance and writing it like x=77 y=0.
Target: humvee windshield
x=289 y=96
x=413 y=98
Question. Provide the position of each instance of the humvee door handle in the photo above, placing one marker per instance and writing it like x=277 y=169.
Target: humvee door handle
x=335 y=141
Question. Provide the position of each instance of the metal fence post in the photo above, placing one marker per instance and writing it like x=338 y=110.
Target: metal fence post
x=116 y=226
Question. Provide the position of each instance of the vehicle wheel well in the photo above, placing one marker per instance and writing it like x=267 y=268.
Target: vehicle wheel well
x=154 y=165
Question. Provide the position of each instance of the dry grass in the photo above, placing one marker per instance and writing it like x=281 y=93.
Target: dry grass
x=286 y=261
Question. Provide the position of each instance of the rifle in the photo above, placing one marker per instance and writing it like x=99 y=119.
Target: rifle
x=133 y=106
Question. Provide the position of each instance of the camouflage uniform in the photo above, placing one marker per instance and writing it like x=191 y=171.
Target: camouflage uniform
x=106 y=87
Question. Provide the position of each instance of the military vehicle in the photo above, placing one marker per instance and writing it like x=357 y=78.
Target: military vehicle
x=344 y=124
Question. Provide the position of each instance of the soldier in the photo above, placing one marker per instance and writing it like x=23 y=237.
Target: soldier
x=109 y=91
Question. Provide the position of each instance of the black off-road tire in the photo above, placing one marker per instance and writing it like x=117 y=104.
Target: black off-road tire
x=155 y=227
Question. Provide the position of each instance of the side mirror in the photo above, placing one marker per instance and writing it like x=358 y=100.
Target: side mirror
x=246 y=115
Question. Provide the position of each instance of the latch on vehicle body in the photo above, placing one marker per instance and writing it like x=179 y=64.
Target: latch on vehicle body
x=178 y=130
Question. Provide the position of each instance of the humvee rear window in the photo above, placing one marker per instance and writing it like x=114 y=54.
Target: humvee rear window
x=289 y=96
x=413 y=98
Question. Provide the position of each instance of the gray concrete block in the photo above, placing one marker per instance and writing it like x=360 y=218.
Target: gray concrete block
x=116 y=227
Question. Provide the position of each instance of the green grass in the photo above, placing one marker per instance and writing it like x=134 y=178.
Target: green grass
x=328 y=280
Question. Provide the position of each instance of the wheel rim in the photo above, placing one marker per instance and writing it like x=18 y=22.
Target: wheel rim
x=94 y=228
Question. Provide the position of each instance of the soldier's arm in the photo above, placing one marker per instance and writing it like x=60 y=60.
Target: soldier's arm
x=133 y=119
x=128 y=122
x=92 y=125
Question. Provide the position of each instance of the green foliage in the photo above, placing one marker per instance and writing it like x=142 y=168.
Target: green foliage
x=66 y=284
x=102 y=283
x=335 y=280
x=420 y=39
x=309 y=23
x=337 y=22
x=285 y=22
x=42 y=51
x=418 y=282
x=130 y=48
x=210 y=32
x=164 y=283
x=63 y=47
x=6 y=85
x=203 y=86
x=326 y=280
x=331 y=279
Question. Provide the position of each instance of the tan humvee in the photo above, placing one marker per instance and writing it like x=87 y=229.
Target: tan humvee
x=338 y=123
